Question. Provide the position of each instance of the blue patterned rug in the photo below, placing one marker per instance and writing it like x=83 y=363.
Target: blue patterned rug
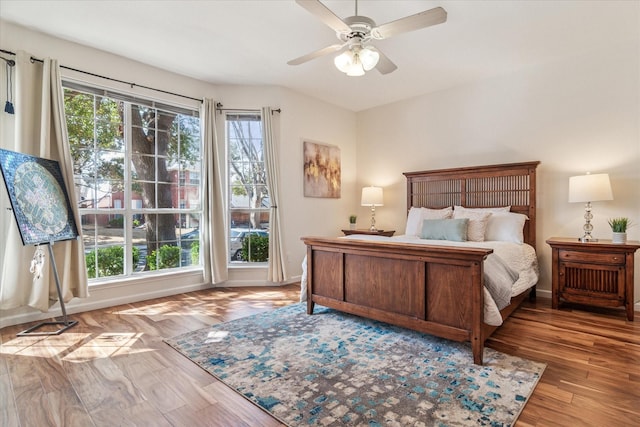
x=334 y=369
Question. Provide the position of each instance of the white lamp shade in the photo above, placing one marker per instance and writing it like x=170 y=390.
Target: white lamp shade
x=590 y=188
x=371 y=196
x=355 y=70
x=343 y=61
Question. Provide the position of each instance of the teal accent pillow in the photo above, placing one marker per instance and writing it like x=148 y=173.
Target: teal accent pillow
x=445 y=229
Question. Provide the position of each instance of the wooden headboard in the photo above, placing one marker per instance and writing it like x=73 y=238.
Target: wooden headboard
x=512 y=184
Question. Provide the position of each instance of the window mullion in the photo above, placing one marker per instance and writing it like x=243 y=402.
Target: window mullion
x=157 y=161
x=128 y=215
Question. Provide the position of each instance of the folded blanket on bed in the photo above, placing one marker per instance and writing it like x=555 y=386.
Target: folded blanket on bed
x=498 y=279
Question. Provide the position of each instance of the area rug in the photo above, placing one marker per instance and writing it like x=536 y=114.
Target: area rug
x=335 y=369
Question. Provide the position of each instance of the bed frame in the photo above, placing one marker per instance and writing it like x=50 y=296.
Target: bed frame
x=433 y=289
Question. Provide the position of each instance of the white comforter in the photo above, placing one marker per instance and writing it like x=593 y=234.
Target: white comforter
x=510 y=270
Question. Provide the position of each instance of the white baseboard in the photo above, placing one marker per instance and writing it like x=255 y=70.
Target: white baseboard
x=544 y=293
x=248 y=283
x=109 y=295
x=126 y=292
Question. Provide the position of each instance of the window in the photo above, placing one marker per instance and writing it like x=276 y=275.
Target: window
x=194 y=178
x=130 y=159
x=249 y=204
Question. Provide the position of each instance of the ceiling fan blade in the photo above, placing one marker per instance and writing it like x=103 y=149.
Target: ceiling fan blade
x=318 y=53
x=384 y=65
x=325 y=15
x=410 y=23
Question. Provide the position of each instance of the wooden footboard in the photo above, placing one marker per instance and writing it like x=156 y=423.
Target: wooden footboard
x=432 y=289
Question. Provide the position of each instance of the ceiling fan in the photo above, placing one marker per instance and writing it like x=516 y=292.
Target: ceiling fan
x=356 y=32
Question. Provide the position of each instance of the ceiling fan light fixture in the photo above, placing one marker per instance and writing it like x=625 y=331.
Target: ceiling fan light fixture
x=355 y=70
x=344 y=61
x=369 y=58
x=354 y=63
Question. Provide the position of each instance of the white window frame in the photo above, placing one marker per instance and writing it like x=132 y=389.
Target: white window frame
x=128 y=210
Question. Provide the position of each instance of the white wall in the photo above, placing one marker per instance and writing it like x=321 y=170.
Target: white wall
x=575 y=115
x=302 y=117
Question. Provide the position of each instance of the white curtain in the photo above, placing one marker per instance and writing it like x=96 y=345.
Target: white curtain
x=214 y=215
x=40 y=130
x=277 y=270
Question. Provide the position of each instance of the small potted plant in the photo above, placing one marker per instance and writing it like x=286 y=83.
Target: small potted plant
x=352 y=222
x=619 y=229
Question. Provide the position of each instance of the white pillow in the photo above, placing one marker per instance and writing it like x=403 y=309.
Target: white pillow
x=414 y=220
x=477 y=223
x=506 y=227
x=444 y=213
x=417 y=215
x=492 y=210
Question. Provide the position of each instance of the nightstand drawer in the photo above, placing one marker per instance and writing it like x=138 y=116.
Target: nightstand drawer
x=591 y=257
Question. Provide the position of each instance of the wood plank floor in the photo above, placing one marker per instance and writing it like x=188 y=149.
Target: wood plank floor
x=113 y=369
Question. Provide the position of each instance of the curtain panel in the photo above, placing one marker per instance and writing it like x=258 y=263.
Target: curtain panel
x=214 y=214
x=39 y=129
x=277 y=270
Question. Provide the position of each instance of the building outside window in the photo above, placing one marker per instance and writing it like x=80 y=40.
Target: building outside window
x=194 y=178
x=248 y=194
x=138 y=212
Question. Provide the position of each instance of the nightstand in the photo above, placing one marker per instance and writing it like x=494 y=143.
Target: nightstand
x=594 y=273
x=386 y=233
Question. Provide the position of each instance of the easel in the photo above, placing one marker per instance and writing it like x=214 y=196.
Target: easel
x=65 y=322
x=14 y=165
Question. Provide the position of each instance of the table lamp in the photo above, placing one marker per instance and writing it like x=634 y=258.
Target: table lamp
x=372 y=196
x=589 y=188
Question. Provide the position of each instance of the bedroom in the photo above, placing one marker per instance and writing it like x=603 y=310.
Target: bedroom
x=575 y=112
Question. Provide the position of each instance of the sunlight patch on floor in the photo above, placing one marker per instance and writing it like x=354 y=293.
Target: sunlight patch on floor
x=216 y=336
x=106 y=345
x=76 y=347
x=43 y=346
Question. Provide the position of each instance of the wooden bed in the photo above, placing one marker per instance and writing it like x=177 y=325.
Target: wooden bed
x=432 y=289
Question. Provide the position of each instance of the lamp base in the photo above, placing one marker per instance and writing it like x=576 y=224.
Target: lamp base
x=373 y=219
x=588 y=228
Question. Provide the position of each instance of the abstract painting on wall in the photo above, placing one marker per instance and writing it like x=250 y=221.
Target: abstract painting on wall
x=321 y=170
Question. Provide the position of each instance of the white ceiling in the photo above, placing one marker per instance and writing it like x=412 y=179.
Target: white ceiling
x=249 y=42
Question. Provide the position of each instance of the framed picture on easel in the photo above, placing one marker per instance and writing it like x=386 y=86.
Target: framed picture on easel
x=39 y=198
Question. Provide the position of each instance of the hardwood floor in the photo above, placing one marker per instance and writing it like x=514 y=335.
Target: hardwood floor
x=113 y=369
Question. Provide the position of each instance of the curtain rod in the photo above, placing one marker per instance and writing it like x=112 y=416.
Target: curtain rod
x=220 y=109
x=132 y=85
